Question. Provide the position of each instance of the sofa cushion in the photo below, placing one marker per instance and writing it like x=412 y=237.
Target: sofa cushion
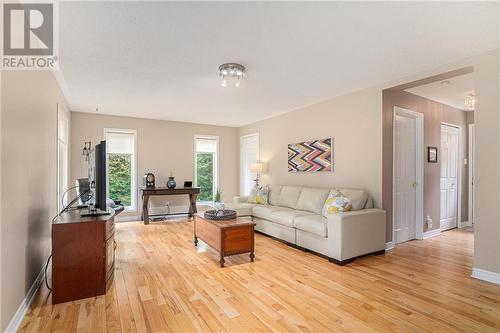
x=312 y=199
x=274 y=194
x=289 y=196
x=315 y=224
x=358 y=197
x=264 y=212
x=286 y=217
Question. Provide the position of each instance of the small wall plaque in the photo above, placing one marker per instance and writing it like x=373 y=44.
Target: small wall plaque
x=432 y=154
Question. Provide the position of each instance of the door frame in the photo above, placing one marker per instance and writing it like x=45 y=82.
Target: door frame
x=459 y=173
x=419 y=168
x=472 y=133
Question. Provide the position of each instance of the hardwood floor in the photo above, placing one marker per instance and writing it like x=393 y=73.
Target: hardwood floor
x=163 y=284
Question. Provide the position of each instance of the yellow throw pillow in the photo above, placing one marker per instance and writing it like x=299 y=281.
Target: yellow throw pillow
x=259 y=195
x=336 y=203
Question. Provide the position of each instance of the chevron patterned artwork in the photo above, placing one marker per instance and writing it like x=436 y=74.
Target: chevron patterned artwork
x=311 y=156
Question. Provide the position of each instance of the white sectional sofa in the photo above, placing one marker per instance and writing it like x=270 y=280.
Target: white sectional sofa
x=294 y=215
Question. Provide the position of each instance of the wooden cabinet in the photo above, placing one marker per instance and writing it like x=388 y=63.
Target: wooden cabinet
x=83 y=256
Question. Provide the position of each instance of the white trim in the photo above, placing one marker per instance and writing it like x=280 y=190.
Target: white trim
x=18 y=317
x=482 y=274
x=216 y=166
x=256 y=134
x=134 y=190
x=419 y=168
x=249 y=135
x=472 y=133
x=459 y=172
x=131 y=218
x=389 y=245
x=431 y=233
x=62 y=117
x=466 y=224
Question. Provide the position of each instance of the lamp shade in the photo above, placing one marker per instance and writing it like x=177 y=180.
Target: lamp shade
x=259 y=167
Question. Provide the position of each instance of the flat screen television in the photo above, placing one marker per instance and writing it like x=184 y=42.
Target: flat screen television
x=97 y=181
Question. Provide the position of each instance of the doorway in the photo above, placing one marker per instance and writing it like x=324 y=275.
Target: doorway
x=408 y=175
x=449 y=180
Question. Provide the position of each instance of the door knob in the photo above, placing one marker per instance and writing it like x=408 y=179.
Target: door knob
x=414 y=185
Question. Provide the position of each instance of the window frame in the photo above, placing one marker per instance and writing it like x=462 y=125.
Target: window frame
x=216 y=166
x=133 y=185
x=255 y=134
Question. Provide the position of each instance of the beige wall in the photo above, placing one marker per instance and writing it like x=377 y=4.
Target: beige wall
x=355 y=124
x=434 y=114
x=29 y=180
x=487 y=168
x=162 y=146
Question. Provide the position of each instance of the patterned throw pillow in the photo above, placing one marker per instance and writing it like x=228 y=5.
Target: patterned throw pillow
x=259 y=195
x=336 y=203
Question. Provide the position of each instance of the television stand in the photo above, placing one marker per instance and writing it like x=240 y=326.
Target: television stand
x=93 y=212
x=83 y=255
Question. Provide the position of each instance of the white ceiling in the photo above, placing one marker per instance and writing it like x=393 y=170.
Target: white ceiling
x=450 y=92
x=159 y=60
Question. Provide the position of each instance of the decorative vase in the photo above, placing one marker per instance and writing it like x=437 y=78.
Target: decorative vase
x=171 y=182
x=218 y=207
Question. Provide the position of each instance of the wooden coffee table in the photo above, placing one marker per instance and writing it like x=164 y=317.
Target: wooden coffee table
x=227 y=237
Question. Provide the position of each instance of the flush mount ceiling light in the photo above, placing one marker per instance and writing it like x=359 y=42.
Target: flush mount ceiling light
x=231 y=72
x=470 y=101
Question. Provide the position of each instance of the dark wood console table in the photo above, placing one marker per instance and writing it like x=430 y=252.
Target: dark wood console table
x=192 y=192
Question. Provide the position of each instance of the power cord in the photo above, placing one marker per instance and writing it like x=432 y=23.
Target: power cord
x=46 y=278
x=65 y=208
x=65 y=192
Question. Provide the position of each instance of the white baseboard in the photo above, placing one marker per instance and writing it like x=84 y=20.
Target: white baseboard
x=431 y=233
x=130 y=218
x=389 y=245
x=18 y=317
x=465 y=224
x=485 y=275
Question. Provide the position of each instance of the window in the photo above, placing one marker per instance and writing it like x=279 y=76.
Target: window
x=249 y=153
x=205 y=169
x=62 y=158
x=120 y=164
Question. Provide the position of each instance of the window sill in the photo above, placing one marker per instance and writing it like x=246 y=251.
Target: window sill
x=204 y=202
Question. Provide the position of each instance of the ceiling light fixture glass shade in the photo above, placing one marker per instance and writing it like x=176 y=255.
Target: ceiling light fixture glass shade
x=231 y=74
x=470 y=101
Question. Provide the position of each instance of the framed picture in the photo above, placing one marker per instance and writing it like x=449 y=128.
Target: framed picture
x=311 y=156
x=432 y=154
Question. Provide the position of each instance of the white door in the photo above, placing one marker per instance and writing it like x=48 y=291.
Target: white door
x=405 y=173
x=449 y=177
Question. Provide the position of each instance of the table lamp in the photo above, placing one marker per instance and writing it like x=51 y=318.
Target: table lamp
x=258 y=167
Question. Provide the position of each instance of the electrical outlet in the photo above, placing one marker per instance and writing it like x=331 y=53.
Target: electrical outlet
x=429 y=222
